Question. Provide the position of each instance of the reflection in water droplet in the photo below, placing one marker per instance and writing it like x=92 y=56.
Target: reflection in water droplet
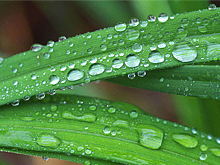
x=213 y=49
x=163 y=17
x=47 y=140
x=212 y=7
x=150 y=136
x=120 y=27
x=184 y=52
x=151 y=18
x=117 y=63
x=132 y=60
x=215 y=151
x=45 y=158
x=185 y=140
x=54 y=79
x=75 y=74
x=96 y=69
x=133 y=22
x=156 y=57
x=132 y=34
x=92 y=107
x=61 y=38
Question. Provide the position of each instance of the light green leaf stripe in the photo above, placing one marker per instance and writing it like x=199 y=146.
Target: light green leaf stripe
x=94 y=131
x=189 y=80
x=182 y=39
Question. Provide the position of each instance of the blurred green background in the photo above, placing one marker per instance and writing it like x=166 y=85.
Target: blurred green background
x=25 y=23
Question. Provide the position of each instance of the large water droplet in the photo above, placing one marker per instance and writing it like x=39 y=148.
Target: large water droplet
x=133 y=114
x=36 y=47
x=75 y=75
x=47 y=140
x=184 y=52
x=54 y=79
x=150 y=136
x=212 y=7
x=89 y=117
x=96 y=69
x=107 y=130
x=133 y=22
x=185 y=140
x=132 y=34
x=120 y=27
x=117 y=63
x=151 y=18
x=132 y=60
x=163 y=17
x=215 y=151
x=156 y=57
x=137 y=47
x=61 y=38
x=203 y=156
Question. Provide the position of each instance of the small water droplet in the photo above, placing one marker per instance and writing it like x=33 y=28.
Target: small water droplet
x=14 y=70
x=151 y=18
x=144 y=23
x=61 y=38
x=150 y=136
x=184 y=22
x=163 y=17
x=203 y=156
x=132 y=60
x=26 y=98
x=15 y=82
x=36 y=47
x=15 y=103
x=137 y=47
x=161 y=79
x=103 y=47
x=132 y=34
x=96 y=69
x=203 y=147
x=40 y=96
x=194 y=130
x=50 y=43
x=87 y=162
x=92 y=107
x=120 y=27
x=212 y=7
x=75 y=74
x=117 y=63
x=53 y=108
x=184 y=52
x=112 y=110
x=131 y=76
x=141 y=73
x=133 y=114
x=133 y=22
x=52 y=92
x=47 y=140
x=185 y=140
x=106 y=130
x=54 y=79
x=156 y=57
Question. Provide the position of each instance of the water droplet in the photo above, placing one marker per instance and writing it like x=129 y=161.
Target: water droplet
x=133 y=114
x=1 y=60
x=137 y=47
x=117 y=63
x=215 y=151
x=133 y=22
x=87 y=162
x=163 y=17
x=15 y=103
x=212 y=7
x=54 y=79
x=131 y=76
x=89 y=117
x=36 y=47
x=132 y=34
x=151 y=18
x=132 y=61
x=141 y=73
x=15 y=82
x=194 y=130
x=50 y=43
x=45 y=158
x=107 y=130
x=47 y=140
x=14 y=70
x=92 y=107
x=103 y=47
x=120 y=27
x=156 y=57
x=185 y=140
x=26 y=98
x=53 y=108
x=203 y=147
x=27 y=118
x=96 y=69
x=52 y=92
x=161 y=79
x=46 y=55
x=184 y=52
x=40 y=96
x=184 y=22
x=75 y=75
x=203 y=156
x=161 y=45
x=61 y=38
x=112 y=110
x=213 y=49
x=150 y=136
x=144 y=23
x=181 y=32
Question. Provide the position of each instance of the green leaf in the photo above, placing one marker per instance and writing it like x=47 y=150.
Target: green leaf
x=90 y=130
x=183 y=39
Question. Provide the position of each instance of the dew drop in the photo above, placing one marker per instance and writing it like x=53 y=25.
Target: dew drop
x=1 y=60
x=184 y=22
x=184 y=52
x=161 y=79
x=215 y=151
x=212 y=7
x=185 y=140
x=194 y=131
x=45 y=158
x=132 y=34
x=181 y=32
x=203 y=147
x=203 y=156
x=133 y=114
x=47 y=140
x=163 y=17
x=96 y=69
x=27 y=118
x=156 y=57
x=112 y=110
x=141 y=73
x=92 y=107
x=14 y=70
x=151 y=18
x=103 y=47
x=89 y=117
x=150 y=136
x=26 y=98
x=15 y=82
x=131 y=76
x=36 y=47
x=46 y=55
x=87 y=162
x=117 y=63
x=137 y=47
x=120 y=27
x=61 y=38
x=53 y=108
x=75 y=74
x=40 y=96
x=144 y=23
x=15 y=103
x=133 y=22
x=106 y=130
x=132 y=60
x=52 y=92
x=54 y=79
x=50 y=44
x=202 y=28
